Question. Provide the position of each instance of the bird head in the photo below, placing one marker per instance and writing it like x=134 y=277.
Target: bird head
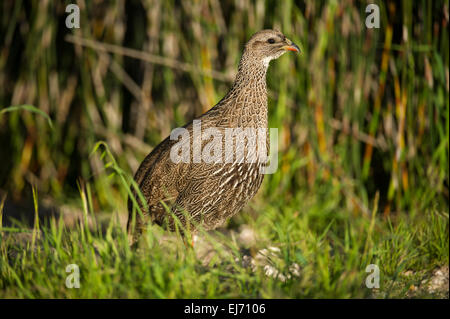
x=267 y=45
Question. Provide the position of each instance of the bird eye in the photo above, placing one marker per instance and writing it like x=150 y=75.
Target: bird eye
x=271 y=40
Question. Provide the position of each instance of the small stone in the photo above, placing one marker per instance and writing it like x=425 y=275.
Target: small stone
x=247 y=236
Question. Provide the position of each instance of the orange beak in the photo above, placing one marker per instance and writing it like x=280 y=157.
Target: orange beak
x=291 y=46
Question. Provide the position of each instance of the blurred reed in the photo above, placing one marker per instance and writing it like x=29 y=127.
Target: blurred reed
x=363 y=110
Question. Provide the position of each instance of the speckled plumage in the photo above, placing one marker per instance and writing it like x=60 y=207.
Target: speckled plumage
x=210 y=193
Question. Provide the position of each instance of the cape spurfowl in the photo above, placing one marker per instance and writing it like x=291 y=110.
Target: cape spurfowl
x=208 y=192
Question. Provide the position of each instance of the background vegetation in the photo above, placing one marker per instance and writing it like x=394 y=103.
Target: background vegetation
x=363 y=118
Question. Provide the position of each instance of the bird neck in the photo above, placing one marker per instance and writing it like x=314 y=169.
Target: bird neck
x=249 y=88
x=245 y=105
x=252 y=74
